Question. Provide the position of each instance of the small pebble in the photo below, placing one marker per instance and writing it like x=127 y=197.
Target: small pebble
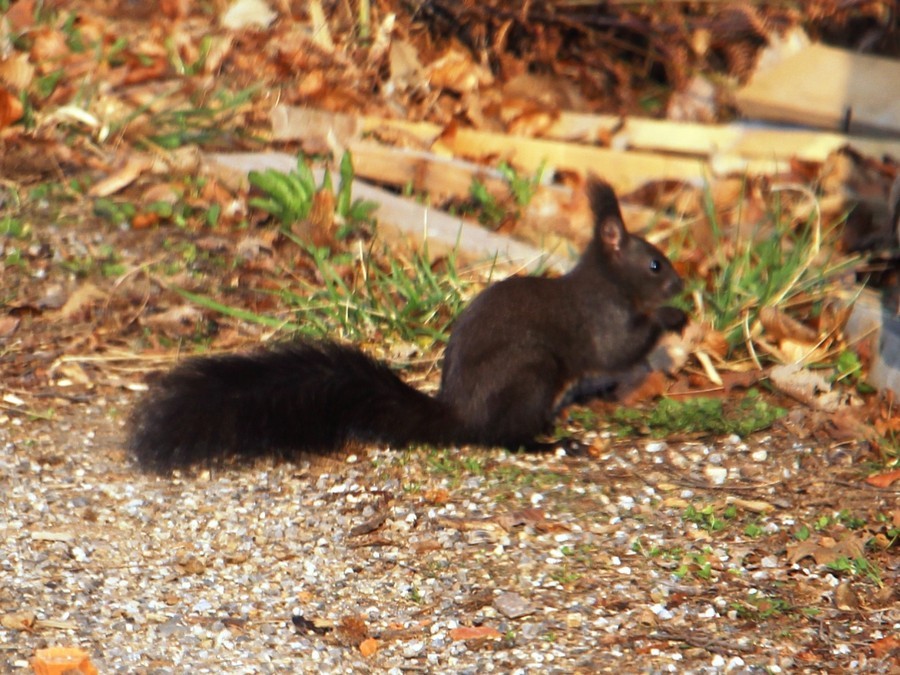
x=716 y=474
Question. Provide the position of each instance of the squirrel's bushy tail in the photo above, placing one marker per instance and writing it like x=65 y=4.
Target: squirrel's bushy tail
x=305 y=396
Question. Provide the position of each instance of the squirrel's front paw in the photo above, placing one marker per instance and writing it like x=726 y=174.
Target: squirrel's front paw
x=671 y=318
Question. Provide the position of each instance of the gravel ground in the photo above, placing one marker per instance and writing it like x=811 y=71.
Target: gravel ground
x=560 y=564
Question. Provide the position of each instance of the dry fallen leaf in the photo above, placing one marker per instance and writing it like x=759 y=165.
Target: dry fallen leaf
x=475 y=633
x=436 y=496
x=80 y=301
x=808 y=387
x=885 y=645
x=845 y=598
x=11 y=109
x=17 y=71
x=406 y=69
x=827 y=550
x=532 y=516
x=351 y=631
x=134 y=167
x=456 y=71
x=244 y=13
x=18 y=621
x=368 y=647
x=8 y=325
x=177 y=320
x=54 y=660
x=884 y=480
x=752 y=505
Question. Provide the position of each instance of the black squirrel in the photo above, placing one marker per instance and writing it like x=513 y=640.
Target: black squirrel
x=521 y=351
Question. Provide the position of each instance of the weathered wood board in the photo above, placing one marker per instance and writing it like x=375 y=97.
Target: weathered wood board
x=829 y=88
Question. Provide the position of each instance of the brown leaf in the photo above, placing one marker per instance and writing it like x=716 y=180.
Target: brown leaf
x=190 y=564
x=752 y=505
x=780 y=326
x=178 y=320
x=311 y=84
x=79 y=303
x=714 y=342
x=653 y=386
x=319 y=227
x=883 y=480
x=533 y=516
x=134 y=167
x=174 y=9
x=8 y=325
x=351 y=630
x=406 y=69
x=466 y=524
x=809 y=387
x=456 y=71
x=144 y=69
x=732 y=380
x=826 y=550
x=848 y=424
x=845 y=598
x=167 y=193
x=370 y=525
x=436 y=496
x=427 y=546
x=801 y=550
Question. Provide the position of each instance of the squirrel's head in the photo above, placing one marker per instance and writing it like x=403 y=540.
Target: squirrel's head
x=640 y=269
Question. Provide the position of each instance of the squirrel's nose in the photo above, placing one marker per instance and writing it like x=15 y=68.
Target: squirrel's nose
x=674 y=286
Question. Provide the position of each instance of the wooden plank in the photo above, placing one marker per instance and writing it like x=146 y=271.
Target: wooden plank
x=625 y=171
x=711 y=140
x=441 y=230
x=829 y=88
x=423 y=171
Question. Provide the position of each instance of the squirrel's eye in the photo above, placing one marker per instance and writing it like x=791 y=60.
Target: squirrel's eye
x=655 y=266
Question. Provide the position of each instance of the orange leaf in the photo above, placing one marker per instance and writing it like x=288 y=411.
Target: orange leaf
x=437 y=496
x=474 y=633
x=49 y=45
x=10 y=108
x=57 y=660
x=368 y=647
x=883 y=480
x=885 y=645
x=21 y=15
x=142 y=221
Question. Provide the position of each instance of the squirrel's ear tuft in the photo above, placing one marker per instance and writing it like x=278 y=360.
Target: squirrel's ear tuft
x=603 y=200
x=609 y=230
